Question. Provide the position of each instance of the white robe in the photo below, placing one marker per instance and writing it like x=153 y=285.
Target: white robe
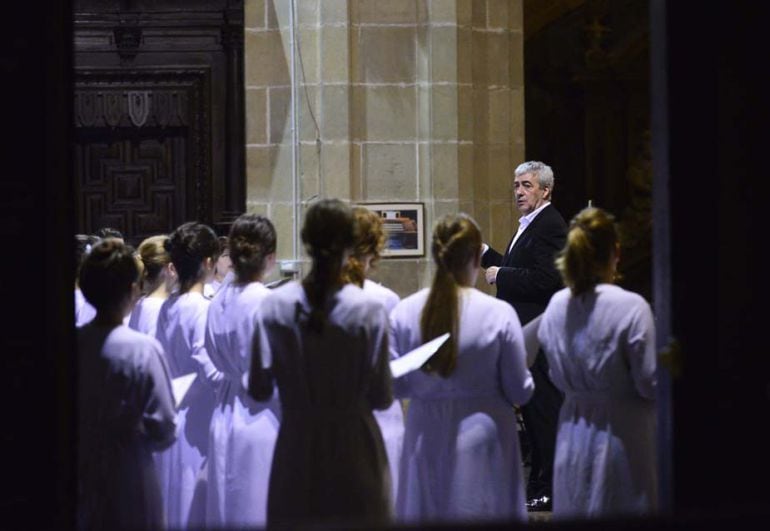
x=181 y=330
x=461 y=459
x=84 y=312
x=329 y=464
x=391 y=420
x=126 y=411
x=144 y=316
x=144 y=319
x=243 y=431
x=601 y=352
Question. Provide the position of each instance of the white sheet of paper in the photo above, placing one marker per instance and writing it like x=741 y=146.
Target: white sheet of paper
x=180 y=386
x=416 y=358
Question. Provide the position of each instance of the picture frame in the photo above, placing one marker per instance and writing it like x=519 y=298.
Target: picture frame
x=404 y=225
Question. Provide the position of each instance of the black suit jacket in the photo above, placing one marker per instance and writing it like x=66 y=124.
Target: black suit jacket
x=528 y=276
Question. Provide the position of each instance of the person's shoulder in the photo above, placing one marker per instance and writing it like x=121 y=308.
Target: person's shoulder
x=254 y=293
x=416 y=299
x=151 y=302
x=197 y=303
x=561 y=295
x=624 y=299
x=290 y=290
x=189 y=299
x=636 y=299
x=377 y=287
x=286 y=294
x=352 y=295
x=492 y=307
x=127 y=341
x=551 y=217
x=387 y=295
x=354 y=305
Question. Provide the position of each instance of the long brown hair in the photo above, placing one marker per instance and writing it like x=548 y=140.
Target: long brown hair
x=456 y=241
x=585 y=259
x=370 y=240
x=328 y=232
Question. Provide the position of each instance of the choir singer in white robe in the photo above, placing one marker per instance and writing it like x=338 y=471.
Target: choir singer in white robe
x=370 y=241
x=323 y=343
x=125 y=403
x=181 y=330
x=600 y=344
x=461 y=459
x=243 y=431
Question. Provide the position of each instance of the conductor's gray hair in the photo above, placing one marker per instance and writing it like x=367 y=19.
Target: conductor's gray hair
x=543 y=172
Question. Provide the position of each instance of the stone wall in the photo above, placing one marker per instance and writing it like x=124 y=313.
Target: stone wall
x=397 y=101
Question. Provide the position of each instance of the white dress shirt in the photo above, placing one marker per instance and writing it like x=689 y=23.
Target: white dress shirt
x=524 y=222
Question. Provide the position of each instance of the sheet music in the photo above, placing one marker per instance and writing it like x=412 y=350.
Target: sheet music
x=180 y=386
x=416 y=358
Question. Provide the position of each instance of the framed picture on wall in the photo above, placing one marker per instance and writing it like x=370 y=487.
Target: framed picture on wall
x=404 y=228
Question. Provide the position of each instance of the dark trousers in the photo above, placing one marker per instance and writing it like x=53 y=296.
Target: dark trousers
x=540 y=416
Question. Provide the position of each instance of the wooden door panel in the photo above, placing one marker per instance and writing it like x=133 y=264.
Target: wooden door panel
x=158 y=115
x=135 y=185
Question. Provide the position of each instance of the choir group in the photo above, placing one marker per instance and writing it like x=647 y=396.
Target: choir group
x=293 y=415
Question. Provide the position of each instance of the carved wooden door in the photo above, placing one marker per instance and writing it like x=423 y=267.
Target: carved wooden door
x=158 y=115
x=141 y=150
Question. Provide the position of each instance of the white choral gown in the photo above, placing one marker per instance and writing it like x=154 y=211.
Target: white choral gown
x=461 y=459
x=144 y=316
x=84 y=312
x=126 y=412
x=391 y=420
x=243 y=431
x=181 y=330
x=144 y=319
x=329 y=464
x=601 y=352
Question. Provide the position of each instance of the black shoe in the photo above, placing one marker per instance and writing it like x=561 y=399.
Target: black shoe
x=542 y=503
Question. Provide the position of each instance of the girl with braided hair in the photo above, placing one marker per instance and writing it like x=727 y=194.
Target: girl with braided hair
x=323 y=343
x=243 y=432
x=461 y=459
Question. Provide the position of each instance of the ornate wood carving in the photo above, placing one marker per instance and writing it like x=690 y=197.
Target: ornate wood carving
x=158 y=92
x=119 y=155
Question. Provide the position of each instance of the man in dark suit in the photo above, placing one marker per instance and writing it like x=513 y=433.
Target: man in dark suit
x=526 y=277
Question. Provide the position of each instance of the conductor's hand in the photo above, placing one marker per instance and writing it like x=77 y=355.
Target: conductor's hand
x=491 y=274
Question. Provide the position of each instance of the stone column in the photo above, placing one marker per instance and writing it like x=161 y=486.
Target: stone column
x=401 y=101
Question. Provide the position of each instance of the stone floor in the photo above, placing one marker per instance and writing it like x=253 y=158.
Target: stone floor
x=540 y=516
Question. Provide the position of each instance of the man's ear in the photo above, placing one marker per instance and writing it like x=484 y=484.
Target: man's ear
x=547 y=192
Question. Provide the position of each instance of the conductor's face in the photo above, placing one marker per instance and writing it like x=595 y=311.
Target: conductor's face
x=528 y=193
